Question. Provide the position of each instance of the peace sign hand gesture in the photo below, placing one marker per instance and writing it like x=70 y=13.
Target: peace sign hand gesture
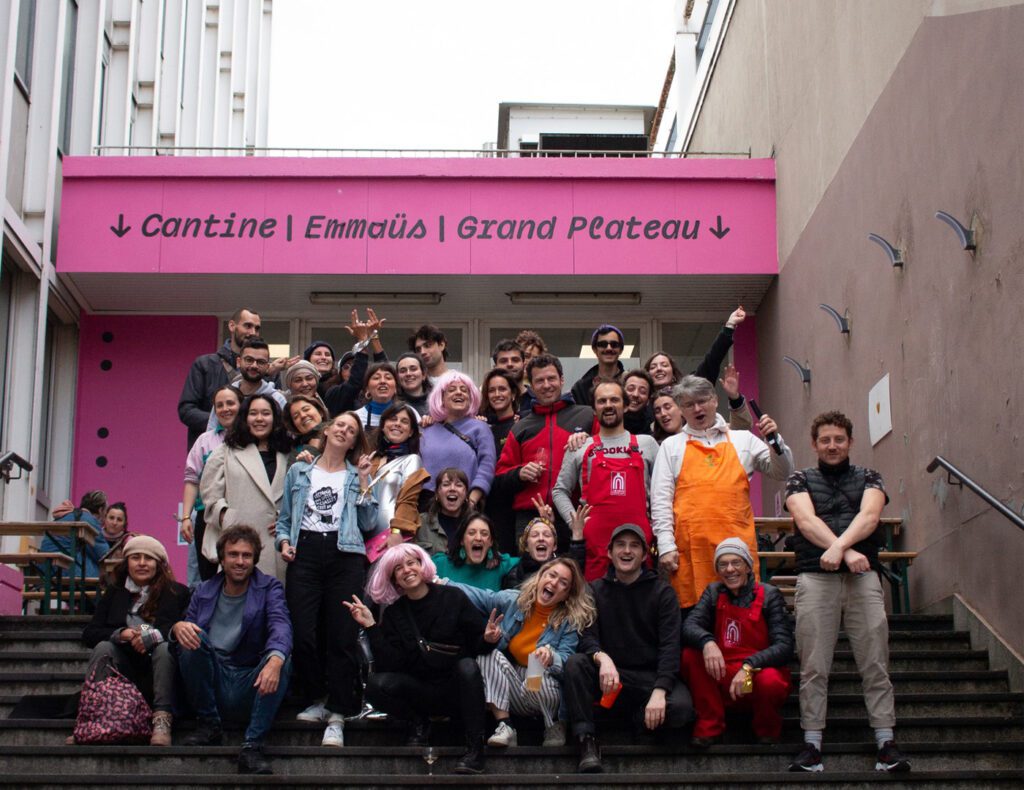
x=492 y=633
x=360 y=612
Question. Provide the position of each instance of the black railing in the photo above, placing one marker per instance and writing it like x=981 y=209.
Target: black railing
x=961 y=478
x=8 y=461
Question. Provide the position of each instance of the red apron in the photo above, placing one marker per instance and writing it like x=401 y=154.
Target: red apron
x=617 y=494
x=739 y=632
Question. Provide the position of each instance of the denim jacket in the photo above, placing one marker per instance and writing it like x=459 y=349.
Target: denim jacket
x=561 y=639
x=357 y=521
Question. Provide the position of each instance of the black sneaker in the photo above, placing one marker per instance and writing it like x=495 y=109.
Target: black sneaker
x=808 y=760
x=251 y=760
x=590 y=756
x=891 y=759
x=206 y=733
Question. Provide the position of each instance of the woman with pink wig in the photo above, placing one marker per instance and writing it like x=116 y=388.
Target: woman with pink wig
x=456 y=438
x=424 y=637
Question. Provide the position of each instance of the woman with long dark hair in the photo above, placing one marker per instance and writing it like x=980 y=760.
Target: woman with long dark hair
x=448 y=508
x=409 y=682
x=396 y=478
x=132 y=623
x=320 y=535
x=243 y=479
x=474 y=558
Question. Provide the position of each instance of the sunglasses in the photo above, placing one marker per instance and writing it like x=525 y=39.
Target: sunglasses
x=614 y=345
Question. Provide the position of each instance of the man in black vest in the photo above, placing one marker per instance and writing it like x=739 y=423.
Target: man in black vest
x=836 y=507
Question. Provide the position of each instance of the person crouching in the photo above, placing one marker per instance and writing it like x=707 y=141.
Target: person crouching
x=738 y=642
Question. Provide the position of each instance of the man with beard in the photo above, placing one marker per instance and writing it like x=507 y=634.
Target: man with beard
x=253 y=364
x=629 y=657
x=613 y=473
x=607 y=343
x=210 y=372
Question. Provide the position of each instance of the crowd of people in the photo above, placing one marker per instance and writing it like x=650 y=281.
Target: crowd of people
x=370 y=533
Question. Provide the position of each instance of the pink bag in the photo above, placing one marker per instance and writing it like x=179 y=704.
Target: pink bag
x=112 y=709
x=378 y=544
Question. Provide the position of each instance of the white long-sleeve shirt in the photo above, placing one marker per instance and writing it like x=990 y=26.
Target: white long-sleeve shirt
x=753 y=453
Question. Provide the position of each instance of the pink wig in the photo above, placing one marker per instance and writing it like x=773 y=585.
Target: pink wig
x=382 y=588
x=436 y=399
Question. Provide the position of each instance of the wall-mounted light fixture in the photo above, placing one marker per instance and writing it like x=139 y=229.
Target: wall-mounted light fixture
x=895 y=254
x=352 y=298
x=805 y=373
x=842 y=321
x=964 y=234
x=586 y=298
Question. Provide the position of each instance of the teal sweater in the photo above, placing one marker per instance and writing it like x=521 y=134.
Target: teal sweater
x=475 y=575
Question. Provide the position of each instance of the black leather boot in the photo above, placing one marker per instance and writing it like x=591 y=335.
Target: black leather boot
x=590 y=756
x=472 y=762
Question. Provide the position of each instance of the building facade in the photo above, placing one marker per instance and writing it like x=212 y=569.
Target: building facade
x=879 y=115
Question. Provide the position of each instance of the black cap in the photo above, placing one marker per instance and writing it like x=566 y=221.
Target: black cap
x=636 y=530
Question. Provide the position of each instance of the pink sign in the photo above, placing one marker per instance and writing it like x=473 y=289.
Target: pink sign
x=417 y=216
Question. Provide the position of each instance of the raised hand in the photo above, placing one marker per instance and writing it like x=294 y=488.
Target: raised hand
x=579 y=520
x=736 y=317
x=360 y=612
x=492 y=631
x=544 y=510
x=730 y=381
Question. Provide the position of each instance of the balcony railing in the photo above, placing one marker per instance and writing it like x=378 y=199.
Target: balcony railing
x=400 y=153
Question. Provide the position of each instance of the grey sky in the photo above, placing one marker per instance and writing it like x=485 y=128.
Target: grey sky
x=405 y=74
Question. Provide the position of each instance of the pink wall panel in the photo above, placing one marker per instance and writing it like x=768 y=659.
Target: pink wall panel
x=128 y=440
x=294 y=200
x=10 y=590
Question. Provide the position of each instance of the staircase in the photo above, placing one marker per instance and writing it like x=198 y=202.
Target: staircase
x=957 y=721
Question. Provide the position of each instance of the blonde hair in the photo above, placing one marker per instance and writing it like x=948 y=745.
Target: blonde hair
x=577 y=609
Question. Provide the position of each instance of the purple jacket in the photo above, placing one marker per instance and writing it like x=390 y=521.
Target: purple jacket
x=440 y=448
x=266 y=625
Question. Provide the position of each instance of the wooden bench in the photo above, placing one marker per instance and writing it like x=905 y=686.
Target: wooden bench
x=47 y=570
x=82 y=536
x=895 y=564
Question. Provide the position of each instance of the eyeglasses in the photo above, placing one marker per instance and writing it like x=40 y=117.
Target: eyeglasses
x=695 y=403
x=260 y=363
x=614 y=345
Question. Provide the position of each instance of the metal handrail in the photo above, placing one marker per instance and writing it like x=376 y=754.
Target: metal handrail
x=171 y=150
x=953 y=472
x=8 y=461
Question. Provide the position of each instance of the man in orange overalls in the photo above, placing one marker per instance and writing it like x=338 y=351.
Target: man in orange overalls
x=700 y=488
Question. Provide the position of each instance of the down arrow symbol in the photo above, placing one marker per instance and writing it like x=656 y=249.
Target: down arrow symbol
x=122 y=229
x=718 y=230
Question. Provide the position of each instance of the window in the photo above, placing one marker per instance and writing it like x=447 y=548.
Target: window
x=276 y=333
x=395 y=340
x=673 y=135
x=67 y=86
x=7 y=274
x=104 y=69
x=49 y=360
x=705 y=30
x=23 y=52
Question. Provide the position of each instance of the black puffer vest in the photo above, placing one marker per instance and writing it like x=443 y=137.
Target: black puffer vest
x=836 y=499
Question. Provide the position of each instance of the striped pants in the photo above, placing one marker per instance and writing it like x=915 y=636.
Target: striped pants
x=505 y=688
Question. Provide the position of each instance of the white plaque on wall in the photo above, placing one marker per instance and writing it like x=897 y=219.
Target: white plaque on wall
x=879 y=411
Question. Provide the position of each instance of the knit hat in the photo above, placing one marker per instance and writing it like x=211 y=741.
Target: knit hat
x=144 y=544
x=347 y=356
x=604 y=329
x=734 y=546
x=298 y=367
x=628 y=528
x=314 y=346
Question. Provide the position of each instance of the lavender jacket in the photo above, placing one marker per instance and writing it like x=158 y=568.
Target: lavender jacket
x=440 y=448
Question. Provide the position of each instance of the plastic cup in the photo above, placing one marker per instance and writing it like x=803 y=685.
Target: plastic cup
x=534 y=673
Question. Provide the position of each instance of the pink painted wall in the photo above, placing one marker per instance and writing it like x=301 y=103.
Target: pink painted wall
x=128 y=440
x=128 y=214
x=10 y=590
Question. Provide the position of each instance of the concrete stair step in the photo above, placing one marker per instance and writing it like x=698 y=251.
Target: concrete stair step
x=40 y=641
x=913 y=682
x=522 y=760
x=849 y=780
x=44 y=661
x=36 y=622
x=376 y=734
x=36 y=682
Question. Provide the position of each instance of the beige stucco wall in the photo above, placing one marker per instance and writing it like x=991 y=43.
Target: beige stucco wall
x=941 y=130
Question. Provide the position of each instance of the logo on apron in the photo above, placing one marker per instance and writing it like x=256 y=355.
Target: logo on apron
x=732 y=633
x=618 y=483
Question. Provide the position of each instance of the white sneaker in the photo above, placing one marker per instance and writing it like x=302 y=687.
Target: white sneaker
x=555 y=734
x=316 y=712
x=334 y=735
x=504 y=735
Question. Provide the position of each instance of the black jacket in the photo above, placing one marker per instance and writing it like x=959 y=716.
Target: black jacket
x=345 y=396
x=444 y=615
x=207 y=375
x=581 y=389
x=112 y=613
x=637 y=625
x=699 y=628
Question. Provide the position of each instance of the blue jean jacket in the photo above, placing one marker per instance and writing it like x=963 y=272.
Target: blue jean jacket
x=357 y=521
x=561 y=639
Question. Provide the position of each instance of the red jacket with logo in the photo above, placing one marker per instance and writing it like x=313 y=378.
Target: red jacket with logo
x=540 y=434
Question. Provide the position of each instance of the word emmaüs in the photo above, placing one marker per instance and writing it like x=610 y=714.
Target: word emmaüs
x=319 y=226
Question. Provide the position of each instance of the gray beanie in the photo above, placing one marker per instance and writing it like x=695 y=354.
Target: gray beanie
x=299 y=366
x=734 y=546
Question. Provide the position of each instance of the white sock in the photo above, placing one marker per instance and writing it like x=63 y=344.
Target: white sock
x=883 y=734
x=813 y=737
